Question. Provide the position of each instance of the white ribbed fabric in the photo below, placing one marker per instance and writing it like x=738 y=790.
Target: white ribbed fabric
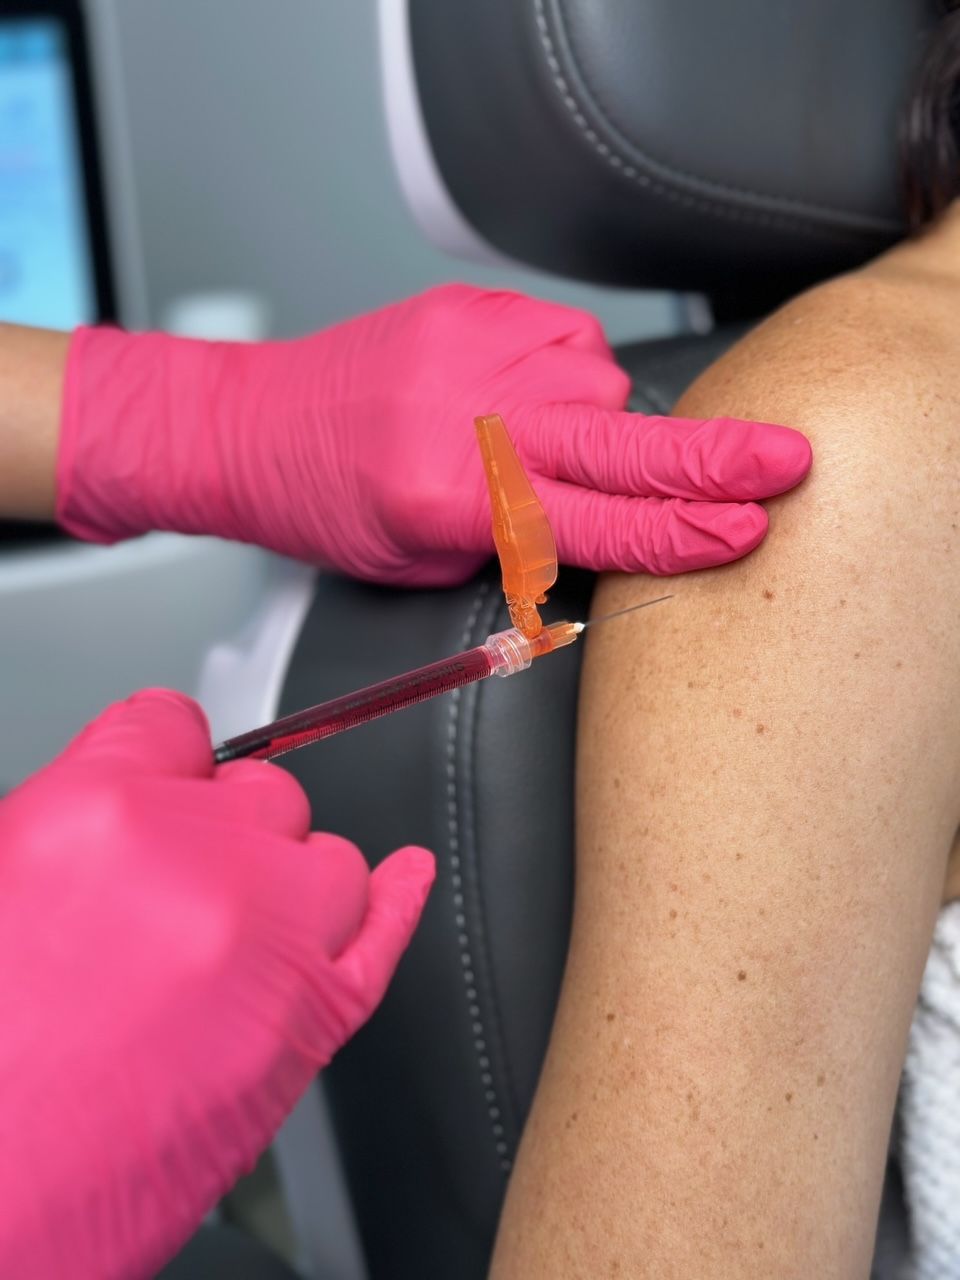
x=930 y=1111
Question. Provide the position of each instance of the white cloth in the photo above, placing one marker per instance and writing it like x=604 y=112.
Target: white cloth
x=930 y=1111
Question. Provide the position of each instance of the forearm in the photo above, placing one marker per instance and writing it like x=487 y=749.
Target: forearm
x=32 y=364
x=767 y=793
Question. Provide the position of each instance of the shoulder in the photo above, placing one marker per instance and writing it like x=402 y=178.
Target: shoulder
x=856 y=344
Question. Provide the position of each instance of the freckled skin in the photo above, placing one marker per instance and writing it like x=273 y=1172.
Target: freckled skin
x=846 y=807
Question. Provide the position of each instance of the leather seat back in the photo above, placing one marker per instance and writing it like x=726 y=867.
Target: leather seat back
x=741 y=149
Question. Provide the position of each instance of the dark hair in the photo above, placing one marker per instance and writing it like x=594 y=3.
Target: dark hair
x=930 y=127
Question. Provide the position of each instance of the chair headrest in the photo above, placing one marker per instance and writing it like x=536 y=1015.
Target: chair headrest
x=738 y=149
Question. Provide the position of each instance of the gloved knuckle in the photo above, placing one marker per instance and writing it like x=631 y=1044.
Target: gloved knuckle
x=101 y=810
x=86 y=818
x=530 y=428
x=620 y=384
x=643 y=549
x=583 y=330
x=411 y=502
x=451 y=294
x=287 y=789
x=449 y=300
x=590 y=327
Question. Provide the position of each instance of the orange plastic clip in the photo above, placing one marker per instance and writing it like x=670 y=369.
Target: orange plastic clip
x=521 y=531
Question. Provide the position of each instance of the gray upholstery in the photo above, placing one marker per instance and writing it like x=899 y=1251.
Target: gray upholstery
x=219 y=1252
x=741 y=148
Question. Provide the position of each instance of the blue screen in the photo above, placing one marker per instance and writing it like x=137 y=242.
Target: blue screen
x=46 y=270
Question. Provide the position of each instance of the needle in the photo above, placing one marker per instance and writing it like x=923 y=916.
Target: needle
x=582 y=626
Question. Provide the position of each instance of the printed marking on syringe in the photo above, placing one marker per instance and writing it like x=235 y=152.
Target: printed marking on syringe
x=378 y=698
x=397 y=686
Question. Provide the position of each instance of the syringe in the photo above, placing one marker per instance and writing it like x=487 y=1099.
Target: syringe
x=502 y=654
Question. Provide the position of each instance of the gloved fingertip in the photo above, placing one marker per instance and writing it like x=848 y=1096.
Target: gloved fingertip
x=789 y=455
x=703 y=535
x=157 y=696
x=767 y=459
x=404 y=879
x=743 y=526
x=154 y=731
x=398 y=891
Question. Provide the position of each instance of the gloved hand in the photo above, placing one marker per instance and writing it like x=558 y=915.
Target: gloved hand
x=355 y=448
x=179 y=957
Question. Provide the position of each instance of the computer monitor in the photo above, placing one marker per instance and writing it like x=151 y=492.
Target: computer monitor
x=54 y=261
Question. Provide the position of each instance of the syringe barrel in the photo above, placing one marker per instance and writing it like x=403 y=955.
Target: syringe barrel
x=503 y=654
x=359 y=707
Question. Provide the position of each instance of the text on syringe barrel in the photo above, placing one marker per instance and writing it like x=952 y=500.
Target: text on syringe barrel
x=328 y=718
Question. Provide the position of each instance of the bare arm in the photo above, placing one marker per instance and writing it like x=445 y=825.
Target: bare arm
x=32 y=363
x=768 y=789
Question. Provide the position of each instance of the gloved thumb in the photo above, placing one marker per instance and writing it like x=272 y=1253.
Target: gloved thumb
x=156 y=731
x=397 y=893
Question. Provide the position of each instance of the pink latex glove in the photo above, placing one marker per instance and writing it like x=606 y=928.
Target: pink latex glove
x=355 y=448
x=179 y=957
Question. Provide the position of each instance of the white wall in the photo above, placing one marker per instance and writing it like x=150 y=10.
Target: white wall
x=262 y=163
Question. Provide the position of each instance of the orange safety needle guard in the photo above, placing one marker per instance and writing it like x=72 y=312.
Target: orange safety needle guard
x=521 y=530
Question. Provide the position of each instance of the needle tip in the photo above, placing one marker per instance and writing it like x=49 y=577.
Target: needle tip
x=644 y=604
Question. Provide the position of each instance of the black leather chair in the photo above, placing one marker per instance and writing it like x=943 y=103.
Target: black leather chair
x=742 y=150
x=221 y=1252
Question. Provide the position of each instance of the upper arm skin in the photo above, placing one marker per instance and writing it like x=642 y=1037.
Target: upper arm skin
x=768 y=786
